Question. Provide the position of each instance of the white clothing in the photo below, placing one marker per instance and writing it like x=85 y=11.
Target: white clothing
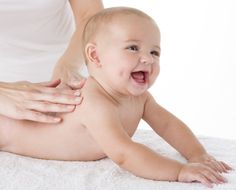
x=33 y=36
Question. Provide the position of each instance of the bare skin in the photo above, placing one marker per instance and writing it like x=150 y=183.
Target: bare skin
x=122 y=66
x=32 y=101
x=69 y=140
x=82 y=138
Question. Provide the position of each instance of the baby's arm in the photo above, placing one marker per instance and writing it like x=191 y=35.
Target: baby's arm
x=105 y=127
x=177 y=134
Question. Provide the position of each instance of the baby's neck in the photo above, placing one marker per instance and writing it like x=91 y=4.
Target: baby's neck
x=116 y=96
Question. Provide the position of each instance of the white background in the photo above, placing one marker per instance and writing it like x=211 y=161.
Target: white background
x=197 y=79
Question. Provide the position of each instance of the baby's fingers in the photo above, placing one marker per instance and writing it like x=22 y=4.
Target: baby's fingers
x=213 y=177
x=219 y=166
x=216 y=166
x=209 y=180
x=226 y=166
x=204 y=180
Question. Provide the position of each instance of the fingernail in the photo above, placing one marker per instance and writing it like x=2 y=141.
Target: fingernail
x=70 y=107
x=77 y=93
x=57 y=119
x=78 y=99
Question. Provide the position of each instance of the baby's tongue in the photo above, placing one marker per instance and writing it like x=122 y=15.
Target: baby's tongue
x=138 y=76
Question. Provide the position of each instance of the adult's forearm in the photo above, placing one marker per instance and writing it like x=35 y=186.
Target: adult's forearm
x=72 y=59
x=68 y=66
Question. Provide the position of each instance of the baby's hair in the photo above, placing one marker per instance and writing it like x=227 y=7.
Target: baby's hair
x=106 y=16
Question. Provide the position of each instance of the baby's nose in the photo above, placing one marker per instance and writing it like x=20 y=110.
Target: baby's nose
x=146 y=59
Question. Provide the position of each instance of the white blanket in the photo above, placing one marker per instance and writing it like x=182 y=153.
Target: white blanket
x=24 y=173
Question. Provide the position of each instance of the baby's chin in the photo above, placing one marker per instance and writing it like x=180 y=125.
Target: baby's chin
x=138 y=91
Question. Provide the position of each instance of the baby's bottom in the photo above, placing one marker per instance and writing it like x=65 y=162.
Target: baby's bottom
x=4 y=122
x=25 y=137
x=64 y=141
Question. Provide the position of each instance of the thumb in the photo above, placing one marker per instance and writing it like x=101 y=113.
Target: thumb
x=77 y=84
x=52 y=83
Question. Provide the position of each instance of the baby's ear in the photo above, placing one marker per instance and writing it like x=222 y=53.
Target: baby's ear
x=92 y=54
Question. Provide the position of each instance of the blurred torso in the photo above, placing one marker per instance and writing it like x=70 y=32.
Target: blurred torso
x=33 y=36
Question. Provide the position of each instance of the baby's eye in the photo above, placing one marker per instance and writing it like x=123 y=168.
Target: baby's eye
x=156 y=53
x=133 y=48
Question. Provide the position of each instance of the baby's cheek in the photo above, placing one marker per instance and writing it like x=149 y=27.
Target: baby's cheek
x=155 y=73
x=122 y=73
x=153 y=78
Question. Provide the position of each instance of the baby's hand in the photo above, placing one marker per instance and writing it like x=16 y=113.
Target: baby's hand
x=192 y=172
x=211 y=162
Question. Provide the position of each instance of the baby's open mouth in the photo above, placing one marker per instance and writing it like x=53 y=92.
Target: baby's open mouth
x=139 y=76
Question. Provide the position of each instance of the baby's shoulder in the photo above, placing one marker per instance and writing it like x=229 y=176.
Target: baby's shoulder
x=93 y=99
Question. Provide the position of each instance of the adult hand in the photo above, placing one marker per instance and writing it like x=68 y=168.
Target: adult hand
x=33 y=101
x=72 y=82
x=69 y=75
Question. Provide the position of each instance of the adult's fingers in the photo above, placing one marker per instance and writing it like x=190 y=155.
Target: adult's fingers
x=56 y=98
x=39 y=117
x=49 y=107
x=61 y=89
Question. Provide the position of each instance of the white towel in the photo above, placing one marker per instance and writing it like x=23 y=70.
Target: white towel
x=24 y=173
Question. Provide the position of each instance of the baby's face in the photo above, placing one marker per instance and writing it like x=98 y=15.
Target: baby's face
x=129 y=51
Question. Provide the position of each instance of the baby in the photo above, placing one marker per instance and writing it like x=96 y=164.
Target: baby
x=122 y=51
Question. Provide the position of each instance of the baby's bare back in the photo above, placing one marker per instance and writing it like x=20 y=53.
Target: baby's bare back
x=65 y=141
x=69 y=140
